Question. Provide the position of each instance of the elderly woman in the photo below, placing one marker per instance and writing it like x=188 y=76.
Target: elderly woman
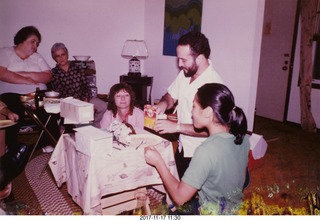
x=22 y=69
x=69 y=79
x=121 y=107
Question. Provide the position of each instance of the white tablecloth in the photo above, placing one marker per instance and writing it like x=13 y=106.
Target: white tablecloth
x=90 y=178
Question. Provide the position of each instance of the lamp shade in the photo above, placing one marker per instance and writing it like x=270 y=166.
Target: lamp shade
x=135 y=48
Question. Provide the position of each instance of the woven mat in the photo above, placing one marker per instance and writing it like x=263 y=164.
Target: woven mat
x=49 y=196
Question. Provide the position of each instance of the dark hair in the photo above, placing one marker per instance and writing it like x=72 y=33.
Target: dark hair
x=198 y=42
x=113 y=91
x=24 y=33
x=220 y=99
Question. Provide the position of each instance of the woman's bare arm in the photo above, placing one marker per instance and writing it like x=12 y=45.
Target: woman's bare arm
x=179 y=191
x=39 y=77
x=13 y=77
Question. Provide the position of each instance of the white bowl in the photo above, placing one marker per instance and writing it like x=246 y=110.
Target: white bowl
x=81 y=57
x=52 y=94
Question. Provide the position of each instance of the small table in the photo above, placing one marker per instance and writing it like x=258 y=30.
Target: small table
x=48 y=114
x=93 y=181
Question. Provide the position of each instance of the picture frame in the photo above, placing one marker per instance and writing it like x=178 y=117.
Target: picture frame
x=180 y=18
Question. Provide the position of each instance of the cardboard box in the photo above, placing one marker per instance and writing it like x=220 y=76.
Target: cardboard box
x=258 y=149
x=76 y=110
x=150 y=116
x=93 y=141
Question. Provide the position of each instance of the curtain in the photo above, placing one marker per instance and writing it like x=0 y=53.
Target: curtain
x=308 y=10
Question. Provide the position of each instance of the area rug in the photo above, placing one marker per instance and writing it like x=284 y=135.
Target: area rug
x=49 y=196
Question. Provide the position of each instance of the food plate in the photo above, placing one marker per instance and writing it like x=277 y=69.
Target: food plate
x=144 y=140
x=52 y=100
x=52 y=94
x=6 y=123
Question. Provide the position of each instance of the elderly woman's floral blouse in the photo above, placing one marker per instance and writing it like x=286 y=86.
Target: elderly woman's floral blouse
x=72 y=83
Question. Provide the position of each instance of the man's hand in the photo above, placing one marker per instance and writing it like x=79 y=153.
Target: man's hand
x=165 y=126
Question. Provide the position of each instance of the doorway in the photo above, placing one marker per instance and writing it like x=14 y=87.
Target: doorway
x=276 y=61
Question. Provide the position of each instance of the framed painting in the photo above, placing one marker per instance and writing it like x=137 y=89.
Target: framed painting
x=181 y=17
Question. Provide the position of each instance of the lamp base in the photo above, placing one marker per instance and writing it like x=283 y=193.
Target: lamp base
x=136 y=74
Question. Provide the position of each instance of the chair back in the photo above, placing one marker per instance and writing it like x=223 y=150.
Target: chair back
x=140 y=86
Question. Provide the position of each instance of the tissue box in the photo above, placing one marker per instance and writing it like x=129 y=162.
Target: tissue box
x=76 y=110
x=150 y=116
x=257 y=151
x=93 y=141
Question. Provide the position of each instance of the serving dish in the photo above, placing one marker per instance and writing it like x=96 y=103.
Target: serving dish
x=52 y=94
x=6 y=123
x=81 y=57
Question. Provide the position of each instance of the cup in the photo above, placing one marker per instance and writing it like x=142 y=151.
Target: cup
x=141 y=208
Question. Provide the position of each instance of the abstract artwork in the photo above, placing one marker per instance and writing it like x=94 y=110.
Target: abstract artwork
x=181 y=17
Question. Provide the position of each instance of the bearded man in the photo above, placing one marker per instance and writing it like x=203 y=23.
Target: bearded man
x=193 y=53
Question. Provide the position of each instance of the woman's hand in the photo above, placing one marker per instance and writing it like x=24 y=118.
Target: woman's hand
x=152 y=156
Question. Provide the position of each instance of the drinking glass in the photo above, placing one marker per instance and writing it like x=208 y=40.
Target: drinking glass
x=141 y=208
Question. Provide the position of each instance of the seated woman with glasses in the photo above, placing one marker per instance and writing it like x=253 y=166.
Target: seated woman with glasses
x=121 y=108
x=70 y=80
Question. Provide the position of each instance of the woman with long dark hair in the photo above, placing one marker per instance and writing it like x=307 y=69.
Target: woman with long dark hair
x=217 y=170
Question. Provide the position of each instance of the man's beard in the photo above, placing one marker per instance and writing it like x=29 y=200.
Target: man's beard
x=190 y=71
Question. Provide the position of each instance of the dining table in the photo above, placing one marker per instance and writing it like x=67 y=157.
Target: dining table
x=94 y=179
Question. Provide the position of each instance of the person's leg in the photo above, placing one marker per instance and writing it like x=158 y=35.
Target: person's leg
x=100 y=108
x=13 y=102
x=2 y=138
x=4 y=193
x=12 y=163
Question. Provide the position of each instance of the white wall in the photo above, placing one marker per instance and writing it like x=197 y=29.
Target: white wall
x=294 y=112
x=100 y=27
x=234 y=30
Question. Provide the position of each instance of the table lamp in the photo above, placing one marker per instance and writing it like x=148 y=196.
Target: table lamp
x=134 y=50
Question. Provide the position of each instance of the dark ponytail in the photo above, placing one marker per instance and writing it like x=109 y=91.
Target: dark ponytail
x=221 y=100
x=238 y=124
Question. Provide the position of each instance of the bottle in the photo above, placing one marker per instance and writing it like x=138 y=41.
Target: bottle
x=38 y=98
